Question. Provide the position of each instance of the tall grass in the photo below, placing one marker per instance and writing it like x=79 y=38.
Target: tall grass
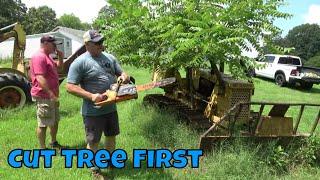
x=5 y=62
x=151 y=128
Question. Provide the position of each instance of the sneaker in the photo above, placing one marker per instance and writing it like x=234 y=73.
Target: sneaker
x=96 y=172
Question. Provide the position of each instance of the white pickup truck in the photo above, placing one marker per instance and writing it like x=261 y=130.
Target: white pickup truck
x=287 y=70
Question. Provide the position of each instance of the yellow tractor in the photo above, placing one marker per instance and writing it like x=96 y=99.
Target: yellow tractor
x=14 y=81
x=221 y=106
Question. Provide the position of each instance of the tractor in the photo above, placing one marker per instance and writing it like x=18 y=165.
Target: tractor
x=15 y=84
x=220 y=106
x=14 y=81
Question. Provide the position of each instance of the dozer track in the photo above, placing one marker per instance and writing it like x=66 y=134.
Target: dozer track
x=192 y=117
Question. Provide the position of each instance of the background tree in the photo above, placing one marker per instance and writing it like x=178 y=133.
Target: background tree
x=189 y=33
x=11 y=12
x=104 y=14
x=72 y=21
x=40 y=20
x=305 y=39
x=313 y=61
x=86 y=26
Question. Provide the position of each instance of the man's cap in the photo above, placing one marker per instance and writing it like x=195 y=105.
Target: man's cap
x=49 y=38
x=92 y=36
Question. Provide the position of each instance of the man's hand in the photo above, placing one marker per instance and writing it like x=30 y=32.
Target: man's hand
x=52 y=96
x=124 y=78
x=60 y=54
x=97 y=97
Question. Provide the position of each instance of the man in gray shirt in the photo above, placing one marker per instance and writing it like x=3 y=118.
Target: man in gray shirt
x=95 y=71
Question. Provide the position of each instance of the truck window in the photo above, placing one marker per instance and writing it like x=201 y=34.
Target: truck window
x=282 y=60
x=270 y=59
x=289 y=60
x=295 y=61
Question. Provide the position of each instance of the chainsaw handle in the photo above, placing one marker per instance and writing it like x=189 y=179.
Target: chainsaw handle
x=115 y=100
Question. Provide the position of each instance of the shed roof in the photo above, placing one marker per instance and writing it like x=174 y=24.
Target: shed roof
x=71 y=33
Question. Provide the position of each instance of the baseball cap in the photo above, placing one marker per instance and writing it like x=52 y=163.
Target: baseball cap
x=49 y=38
x=92 y=36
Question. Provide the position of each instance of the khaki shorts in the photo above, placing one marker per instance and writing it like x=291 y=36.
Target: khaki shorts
x=47 y=112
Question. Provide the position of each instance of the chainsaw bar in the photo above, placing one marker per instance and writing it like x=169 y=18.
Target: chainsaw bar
x=152 y=85
x=130 y=91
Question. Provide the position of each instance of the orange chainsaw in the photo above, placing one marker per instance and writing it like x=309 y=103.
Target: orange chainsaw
x=121 y=92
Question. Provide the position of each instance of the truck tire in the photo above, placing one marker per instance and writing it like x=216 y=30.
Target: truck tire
x=14 y=91
x=251 y=73
x=280 y=79
x=307 y=86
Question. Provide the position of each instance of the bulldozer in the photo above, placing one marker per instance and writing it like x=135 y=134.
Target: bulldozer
x=220 y=107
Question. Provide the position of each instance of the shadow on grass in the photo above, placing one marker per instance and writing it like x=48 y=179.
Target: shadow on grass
x=293 y=87
x=81 y=145
x=165 y=129
x=64 y=113
x=128 y=172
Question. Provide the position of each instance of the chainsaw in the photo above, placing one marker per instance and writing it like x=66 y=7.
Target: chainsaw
x=121 y=92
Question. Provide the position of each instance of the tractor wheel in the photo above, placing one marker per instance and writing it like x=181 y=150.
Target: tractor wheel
x=14 y=90
x=280 y=79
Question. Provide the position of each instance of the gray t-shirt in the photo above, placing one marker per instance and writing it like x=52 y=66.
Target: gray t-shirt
x=95 y=75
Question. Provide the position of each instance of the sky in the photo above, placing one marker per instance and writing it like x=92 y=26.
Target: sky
x=303 y=11
x=86 y=10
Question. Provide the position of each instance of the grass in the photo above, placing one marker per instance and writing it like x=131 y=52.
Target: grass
x=5 y=62
x=148 y=127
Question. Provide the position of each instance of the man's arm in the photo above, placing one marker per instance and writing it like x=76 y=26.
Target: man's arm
x=60 y=59
x=44 y=85
x=80 y=92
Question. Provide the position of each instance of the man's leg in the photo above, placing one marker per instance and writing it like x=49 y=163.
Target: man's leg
x=41 y=133
x=93 y=131
x=111 y=130
x=110 y=143
x=54 y=131
x=93 y=147
x=93 y=136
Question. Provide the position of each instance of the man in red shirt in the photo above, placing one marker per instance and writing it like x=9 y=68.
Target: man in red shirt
x=45 y=89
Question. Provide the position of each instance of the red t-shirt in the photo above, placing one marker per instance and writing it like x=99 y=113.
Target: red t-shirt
x=42 y=64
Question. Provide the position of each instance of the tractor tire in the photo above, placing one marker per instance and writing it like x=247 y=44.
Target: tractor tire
x=280 y=79
x=14 y=91
x=307 y=86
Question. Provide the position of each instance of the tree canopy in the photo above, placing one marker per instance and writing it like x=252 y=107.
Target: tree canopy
x=188 y=33
x=11 y=12
x=305 y=39
x=314 y=61
x=72 y=21
x=39 y=20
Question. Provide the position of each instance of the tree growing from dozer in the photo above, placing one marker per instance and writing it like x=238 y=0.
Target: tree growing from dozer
x=189 y=33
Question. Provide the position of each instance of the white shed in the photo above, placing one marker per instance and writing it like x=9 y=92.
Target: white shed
x=74 y=34
x=71 y=38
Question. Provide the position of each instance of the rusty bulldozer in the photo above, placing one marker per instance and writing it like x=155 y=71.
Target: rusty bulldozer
x=221 y=106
